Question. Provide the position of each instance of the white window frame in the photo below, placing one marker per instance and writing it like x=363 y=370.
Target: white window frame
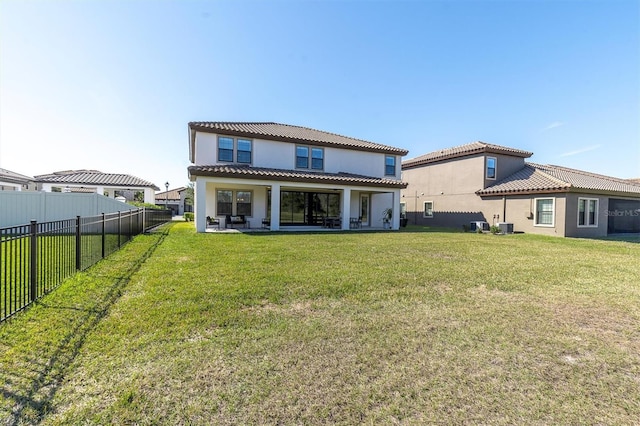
x=395 y=165
x=495 y=168
x=424 y=210
x=586 y=212
x=234 y=150
x=234 y=201
x=310 y=157
x=553 y=212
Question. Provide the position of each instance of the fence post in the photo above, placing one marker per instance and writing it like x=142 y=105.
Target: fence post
x=78 y=245
x=119 y=226
x=103 y=236
x=33 y=272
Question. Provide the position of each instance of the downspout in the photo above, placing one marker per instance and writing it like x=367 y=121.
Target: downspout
x=504 y=208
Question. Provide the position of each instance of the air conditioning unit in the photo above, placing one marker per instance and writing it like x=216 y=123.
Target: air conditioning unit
x=479 y=224
x=505 y=228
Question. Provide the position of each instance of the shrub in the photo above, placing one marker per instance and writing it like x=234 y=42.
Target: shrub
x=188 y=216
x=495 y=230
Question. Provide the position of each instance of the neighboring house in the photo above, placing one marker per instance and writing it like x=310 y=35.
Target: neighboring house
x=494 y=184
x=12 y=181
x=283 y=176
x=175 y=199
x=110 y=185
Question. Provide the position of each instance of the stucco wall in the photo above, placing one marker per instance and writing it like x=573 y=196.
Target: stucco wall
x=282 y=155
x=451 y=186
x=258 y=203
x=571 y=225
x=506 y=166
x=520 y=210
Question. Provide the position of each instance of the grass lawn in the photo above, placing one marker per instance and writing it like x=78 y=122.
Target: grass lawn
x=334 y=328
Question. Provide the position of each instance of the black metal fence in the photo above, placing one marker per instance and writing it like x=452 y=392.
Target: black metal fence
x=36 y=258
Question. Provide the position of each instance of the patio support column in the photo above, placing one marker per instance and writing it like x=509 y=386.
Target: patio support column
x=200 y=204
x=346 y=208
x=395 y=202
x=275 y=207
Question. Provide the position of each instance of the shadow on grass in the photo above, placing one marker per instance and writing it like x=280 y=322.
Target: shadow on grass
x=32 y=402
x=405 y=230
x=627 y=238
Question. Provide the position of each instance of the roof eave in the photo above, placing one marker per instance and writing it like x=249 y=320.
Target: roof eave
x=194 y=171
x=409 y=164
x=483 y=193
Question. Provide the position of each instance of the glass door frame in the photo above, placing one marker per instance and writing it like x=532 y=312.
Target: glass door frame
x=365 y=209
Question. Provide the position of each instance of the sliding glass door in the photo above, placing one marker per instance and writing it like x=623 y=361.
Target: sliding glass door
x=307 y=208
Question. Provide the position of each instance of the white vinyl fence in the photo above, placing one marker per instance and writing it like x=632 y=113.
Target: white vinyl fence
x=21 y=207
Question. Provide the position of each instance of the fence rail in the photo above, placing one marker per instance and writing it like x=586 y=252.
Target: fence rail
x=36 y=258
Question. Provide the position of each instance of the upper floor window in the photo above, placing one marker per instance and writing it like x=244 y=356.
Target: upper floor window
x=227 y=146
x=545 y=211
x=491 y=167
x=390 y=165
x=588 y=212
x=244 y=151
x=309 y=158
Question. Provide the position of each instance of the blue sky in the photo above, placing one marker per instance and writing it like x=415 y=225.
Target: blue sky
x=111 y=85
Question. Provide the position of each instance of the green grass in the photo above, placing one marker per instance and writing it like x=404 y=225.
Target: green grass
x=334 y=328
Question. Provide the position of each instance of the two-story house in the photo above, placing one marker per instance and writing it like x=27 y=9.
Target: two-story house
x=287 y=177
x=494 y=184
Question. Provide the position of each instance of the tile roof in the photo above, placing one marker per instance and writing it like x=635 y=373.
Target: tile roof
x=545 y=178
x=93 y=177
x=247 y=172
x=464 y=151
x=173 y=194
x=9 y=176
x=286 y=132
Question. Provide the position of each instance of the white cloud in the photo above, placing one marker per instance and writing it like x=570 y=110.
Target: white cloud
x=553 y=125
x=580 y=151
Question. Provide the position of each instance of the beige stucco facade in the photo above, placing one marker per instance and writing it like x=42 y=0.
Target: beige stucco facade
x=451 y=186
x=484 y=182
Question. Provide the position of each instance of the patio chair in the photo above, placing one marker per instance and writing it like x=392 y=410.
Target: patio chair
x=355 y=222
x=213 y=221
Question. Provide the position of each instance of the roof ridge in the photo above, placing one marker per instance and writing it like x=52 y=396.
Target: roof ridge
x=590 y=174
x=538 y=168
x=289 y=133
x=465 y=150
x=286 y=125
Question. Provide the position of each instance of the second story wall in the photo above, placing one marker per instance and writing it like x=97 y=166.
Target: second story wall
x=455 y=176
x=282 y=155
x=505 y=165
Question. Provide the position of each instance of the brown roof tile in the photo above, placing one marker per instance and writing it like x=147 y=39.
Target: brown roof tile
x=247 y=172
x=464 y=151
x=286 y=132
x=93 y=177
x=545 y=178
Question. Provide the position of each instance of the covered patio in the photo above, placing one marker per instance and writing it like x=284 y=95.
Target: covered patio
x=293 y=201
